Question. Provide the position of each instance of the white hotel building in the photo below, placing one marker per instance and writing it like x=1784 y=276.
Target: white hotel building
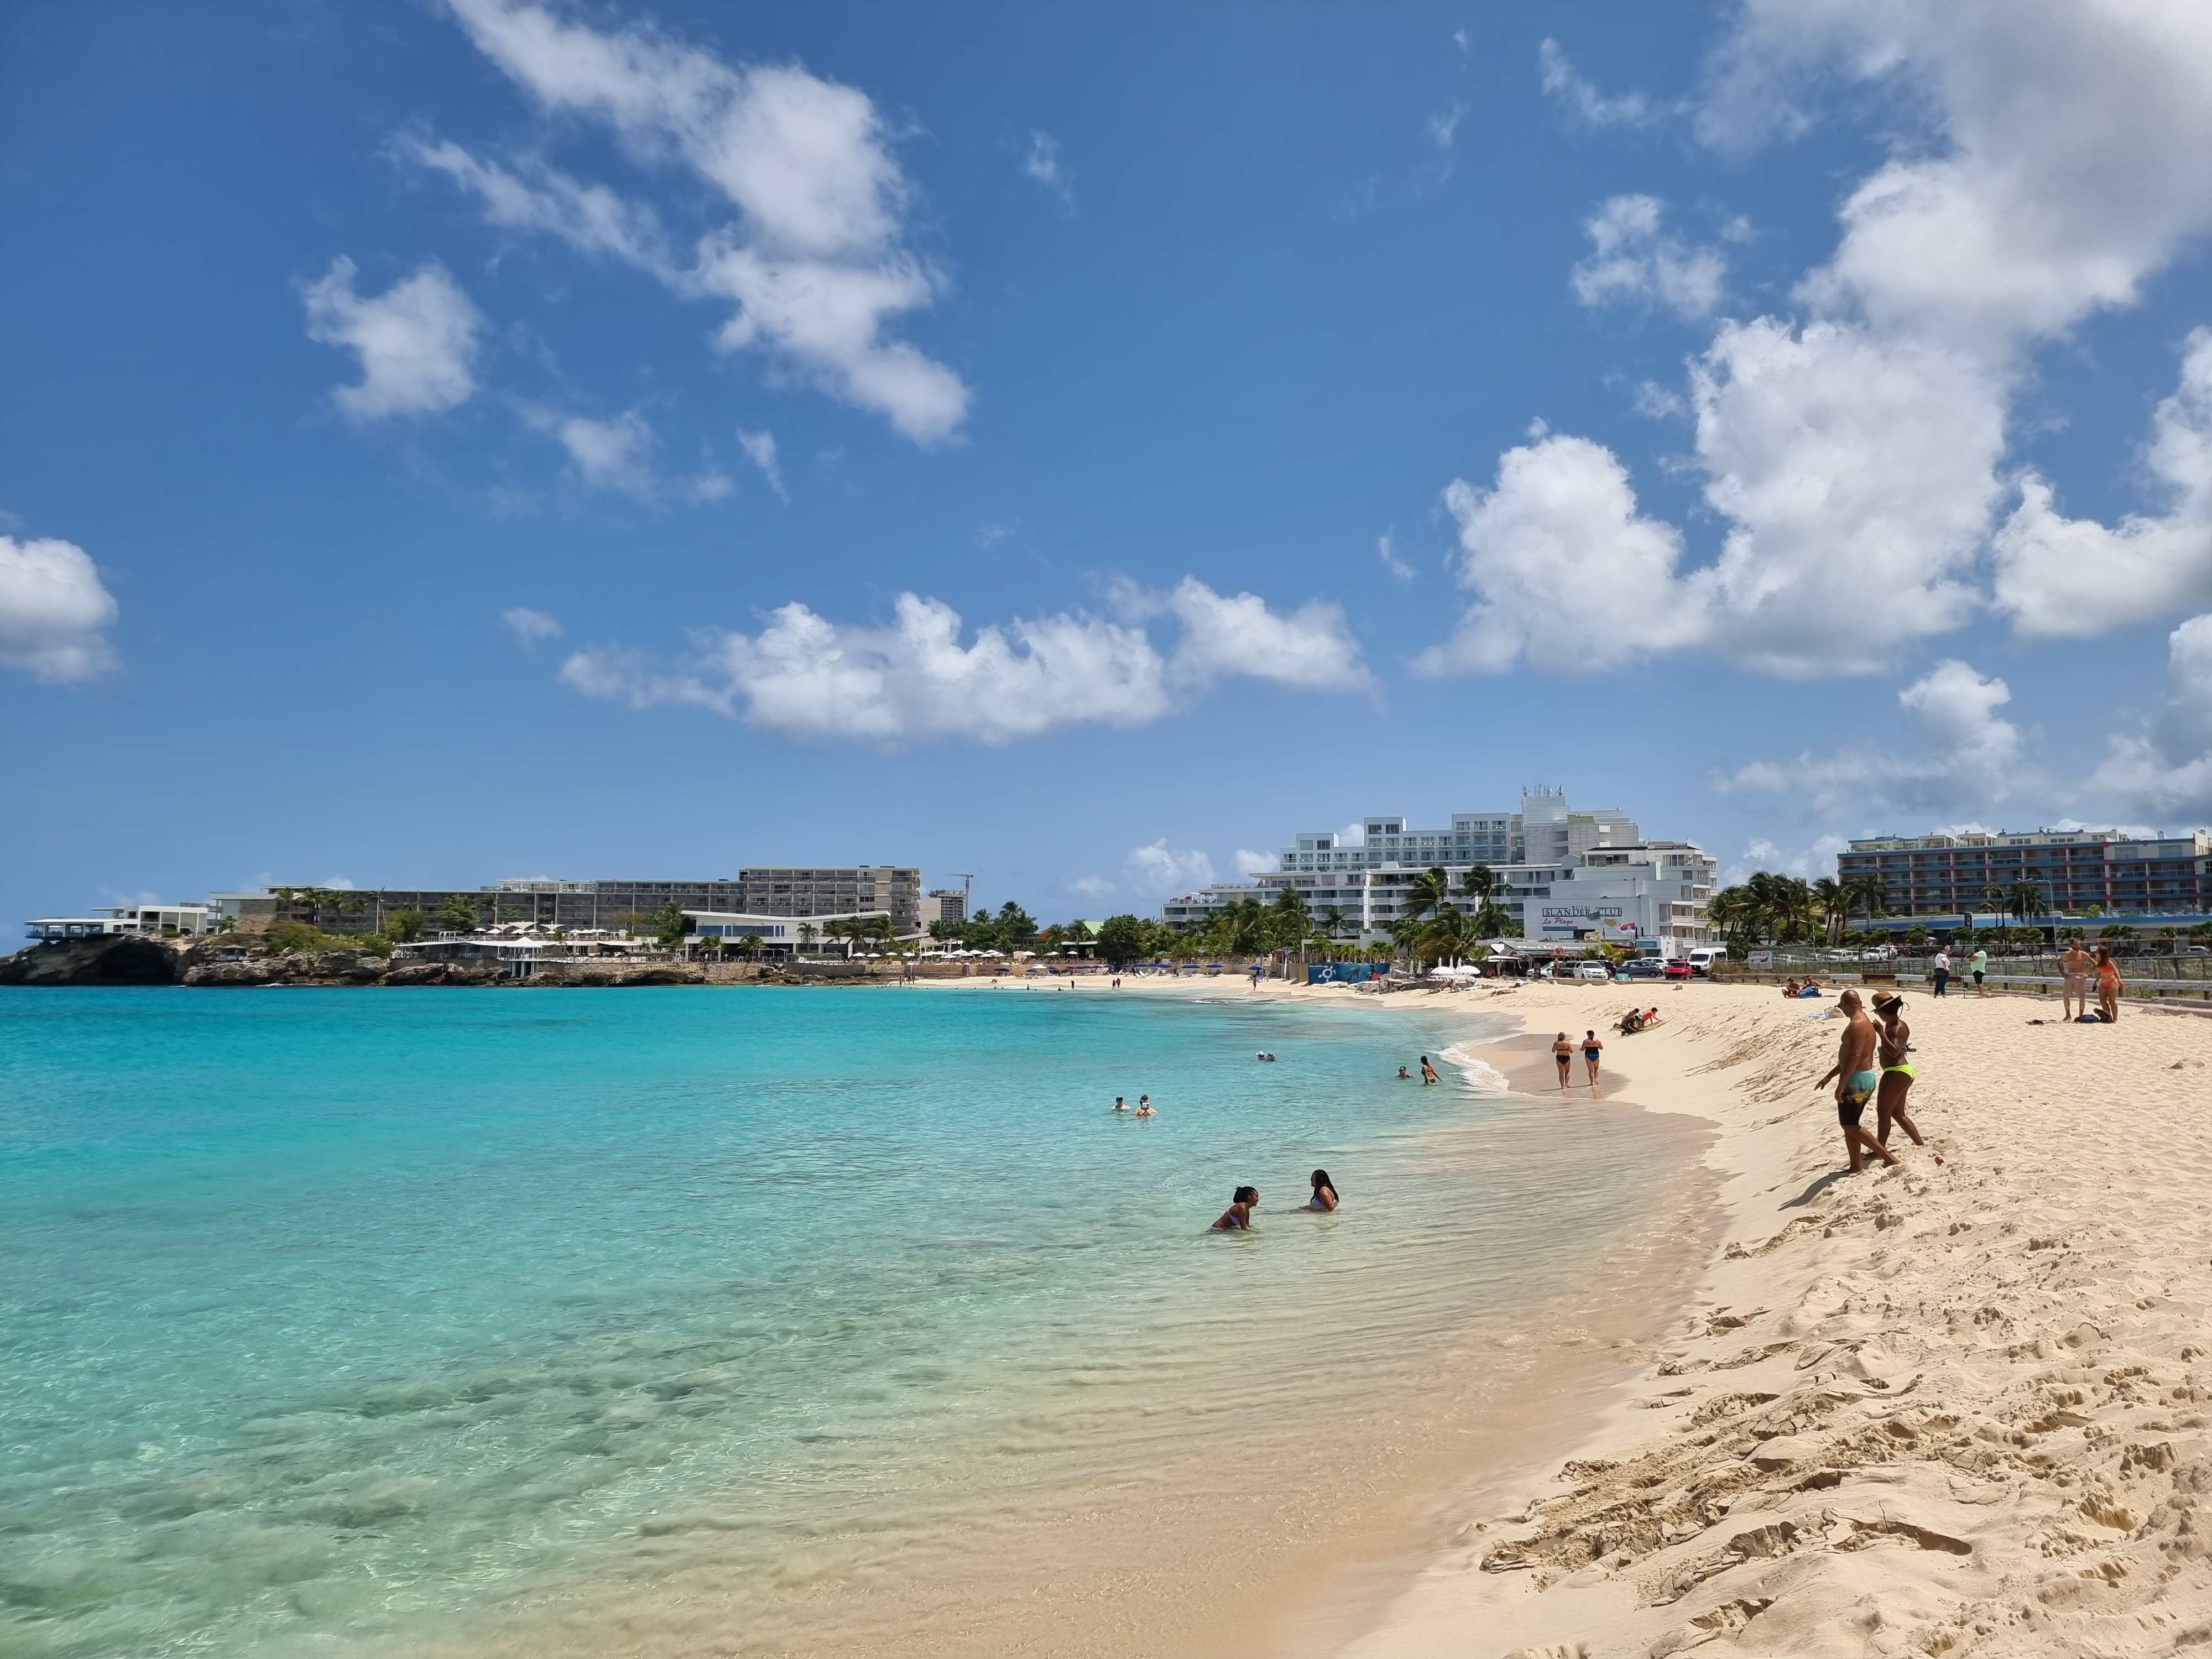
x=1562 y=875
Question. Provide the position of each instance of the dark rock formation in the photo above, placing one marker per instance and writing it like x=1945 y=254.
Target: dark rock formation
x=117 y=959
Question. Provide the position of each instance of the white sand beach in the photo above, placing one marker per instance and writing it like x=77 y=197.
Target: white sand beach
x=1948 y=1410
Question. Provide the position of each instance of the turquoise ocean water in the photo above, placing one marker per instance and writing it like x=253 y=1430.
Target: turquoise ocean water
x=330 y=1318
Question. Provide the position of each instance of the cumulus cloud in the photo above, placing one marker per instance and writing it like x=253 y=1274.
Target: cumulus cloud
x=531 y=626
x=53 y=607
x=2167 y=768
x=1386 y=548
x=803 y=675
x=1162 y=872
x=417 y=341
x=1633 y=258
x=1091 y=886
x=1249 y=863
x=816 y=262
x=1044 y=165
x=760 y=450
x=1856 y=446
x=1971 y=757
x=1761 y=853
x=2076 y=577
x=1582 y=97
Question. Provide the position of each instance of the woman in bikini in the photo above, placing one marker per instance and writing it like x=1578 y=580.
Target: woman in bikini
x=1563 y=1052
x=2108 y=984
x=1238 y=1217
x=1324 y=1192
x=1894 y=1039
x=1592 y=1048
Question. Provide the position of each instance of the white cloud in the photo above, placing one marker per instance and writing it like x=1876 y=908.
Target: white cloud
x=804 y=677
x=1353 y=834
x=760 y=450
x=1044 y=164
x=338 y=883
x=1631 y=109
x=614 y=454
x=1162 y=872
x=1632 y=258
x=1855 y=448
x=1249 y=863
x=2167 y=767
x=1387 y=550
x=1091 y=886
x=816 y=262
x=531 y=626
x=417 y=341
x=2075 y=577
x=53 y=607
x=1444 y=127
x=1972 y=758
x=1761 y=854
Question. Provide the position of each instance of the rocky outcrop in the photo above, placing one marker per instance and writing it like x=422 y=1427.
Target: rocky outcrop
x=117 y=959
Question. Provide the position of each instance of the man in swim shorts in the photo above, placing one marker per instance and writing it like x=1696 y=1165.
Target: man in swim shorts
x=1858 y=1079
x=2074 y=968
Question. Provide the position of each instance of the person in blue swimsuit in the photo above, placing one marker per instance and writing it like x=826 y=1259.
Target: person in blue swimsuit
x=1857 y=1080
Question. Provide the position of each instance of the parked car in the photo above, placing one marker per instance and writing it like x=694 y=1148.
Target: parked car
x=1593 y=970
x=1642 y=968
x=1702 y=959
x=1678 y=968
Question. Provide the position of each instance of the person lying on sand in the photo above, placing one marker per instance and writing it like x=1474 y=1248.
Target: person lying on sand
x=1856 y=1081
x=1238 y=1217
x=1324 y=1192
x=1897 y=1074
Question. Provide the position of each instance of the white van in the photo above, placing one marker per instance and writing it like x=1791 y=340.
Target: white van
x=1702 y=959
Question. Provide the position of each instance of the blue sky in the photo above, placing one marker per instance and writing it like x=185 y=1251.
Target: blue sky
x=455 y=441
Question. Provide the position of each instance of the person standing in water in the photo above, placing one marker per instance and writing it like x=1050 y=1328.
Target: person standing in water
x=1324 y=1192
x=1591 y=1049
x=1428 y=1071
x=1144 y=1106
x=1856 y=1082
x=1563 y=1052
x=1120 y=1104
x=1238 y=1217
x=1897 y=1074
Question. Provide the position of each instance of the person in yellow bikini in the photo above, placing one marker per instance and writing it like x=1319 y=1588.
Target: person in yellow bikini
x=1895 y=1040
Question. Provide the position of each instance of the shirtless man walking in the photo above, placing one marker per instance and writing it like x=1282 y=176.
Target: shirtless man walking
x=1857 y=1079
x=2075 y=967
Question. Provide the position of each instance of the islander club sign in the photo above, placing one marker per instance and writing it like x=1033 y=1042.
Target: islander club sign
x=1603 y=920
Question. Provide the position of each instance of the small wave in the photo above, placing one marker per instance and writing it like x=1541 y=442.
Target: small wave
x=1481 y=1076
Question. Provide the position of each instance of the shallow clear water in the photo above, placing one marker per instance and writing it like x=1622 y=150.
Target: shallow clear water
x=322 y=1313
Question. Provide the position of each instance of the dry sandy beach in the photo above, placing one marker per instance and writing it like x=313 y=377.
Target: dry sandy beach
x=1945 y=1410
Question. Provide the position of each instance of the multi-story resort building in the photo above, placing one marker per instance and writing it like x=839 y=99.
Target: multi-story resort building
x=166 y=921
x=1949 y=875
x=833 y=890
x=944 y=904
x=1562 y=874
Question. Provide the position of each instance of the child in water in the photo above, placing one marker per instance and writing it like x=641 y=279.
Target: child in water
x=1238 y=1217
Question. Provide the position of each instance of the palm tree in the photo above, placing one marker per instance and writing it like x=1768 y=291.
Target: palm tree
x=1997 y=899
x=2028 y=901
x=1479 y=883
x=1835 y=906
x=1426 y=893
x=1332 y=921
x=1450 y=933
x=1492 y=921
x=808 y=932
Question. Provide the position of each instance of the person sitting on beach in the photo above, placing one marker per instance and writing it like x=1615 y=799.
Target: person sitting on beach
x=1630 y=1022
x=1428 y=1071
x=1897 y=1074
x=1238 y=1217
x=1792 y=988
x=1811 y=989
x=1563 y=1052
x=1324 y=1192
x=1856 y=1081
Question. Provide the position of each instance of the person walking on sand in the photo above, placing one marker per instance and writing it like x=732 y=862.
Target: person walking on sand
x=1980 y=965
x=2108 y=985
x=2074 y=968
x=1563 y=1052
x=1591 y=1049
x=1897 y=1074
x=1238 y=1217
x=1943 y=975
x=1428 y=1071
x=1856 y=1082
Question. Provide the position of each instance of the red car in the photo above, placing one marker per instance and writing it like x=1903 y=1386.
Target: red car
x=1677 y=968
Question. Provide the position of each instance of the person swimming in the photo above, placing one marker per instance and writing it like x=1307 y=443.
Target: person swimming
x=1144 y=1107
x=1120 y=1104
x=1324 y=1192
x=1238 y=1217
x=1404 y=1076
